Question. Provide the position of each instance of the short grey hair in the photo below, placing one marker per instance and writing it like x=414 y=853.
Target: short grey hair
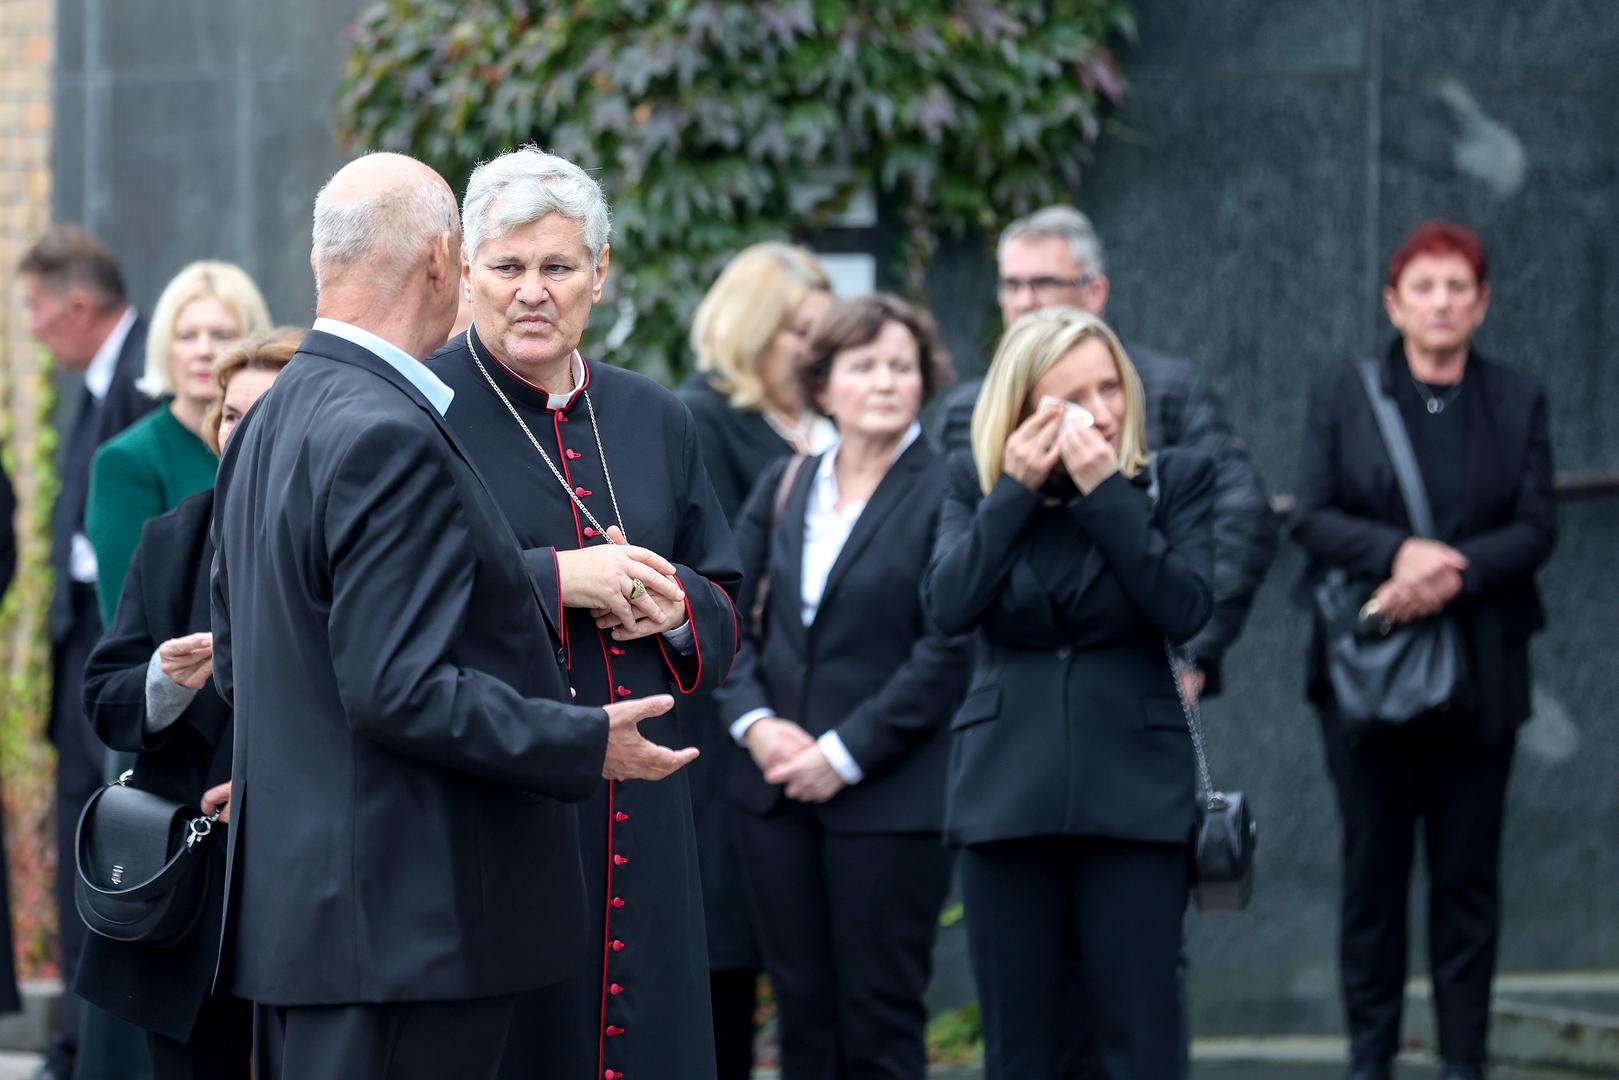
x=390 y=229
x=523 y=186
x=1065 y=223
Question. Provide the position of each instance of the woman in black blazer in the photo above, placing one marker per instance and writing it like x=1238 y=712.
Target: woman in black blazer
x=1479 y=433
x=147 y=691
x=1073 y=558
x=747 y=338
x=841 y=695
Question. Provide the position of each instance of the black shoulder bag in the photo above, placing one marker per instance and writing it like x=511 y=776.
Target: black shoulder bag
x=761 y=593
x=1225 y=833
x=1384 y=674
x=142 y=865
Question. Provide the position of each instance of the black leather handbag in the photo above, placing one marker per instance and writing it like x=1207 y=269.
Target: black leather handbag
x=1224 y=836
x=143 y=868
x=1383 y=674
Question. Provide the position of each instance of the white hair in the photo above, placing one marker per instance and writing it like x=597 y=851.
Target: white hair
x=1065 y=223
x=391 y=229
x=525 y=185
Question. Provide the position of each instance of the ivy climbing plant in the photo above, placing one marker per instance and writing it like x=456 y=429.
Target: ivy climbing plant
x=716 y=123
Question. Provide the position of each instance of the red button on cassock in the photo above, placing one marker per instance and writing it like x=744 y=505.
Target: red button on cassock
x=582 y=492
x=562 y=416
x=616 y=945
x=591 y=532
x=618 y=901
x=615 y=650
x=619 y=860
x=611 y=1074
x=613 y=1030
x=572 y=455
x=615 y=989
x=621 y=817
x=623 y=691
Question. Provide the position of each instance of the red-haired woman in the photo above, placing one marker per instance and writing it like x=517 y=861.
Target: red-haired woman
x=1478 y=433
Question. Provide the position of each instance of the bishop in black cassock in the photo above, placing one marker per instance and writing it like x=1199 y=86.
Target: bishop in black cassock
x=597 y=447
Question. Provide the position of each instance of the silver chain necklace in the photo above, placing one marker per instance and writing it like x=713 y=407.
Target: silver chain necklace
x=1439 y=404
x=594 y=430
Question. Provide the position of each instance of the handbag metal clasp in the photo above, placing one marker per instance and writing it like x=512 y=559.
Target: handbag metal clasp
x=197 y=828
x=124 y=777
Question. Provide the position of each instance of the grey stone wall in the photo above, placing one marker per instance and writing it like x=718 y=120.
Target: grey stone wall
x=1269 y=157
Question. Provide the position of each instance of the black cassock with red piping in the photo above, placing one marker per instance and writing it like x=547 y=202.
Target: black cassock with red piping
x=640 y=1005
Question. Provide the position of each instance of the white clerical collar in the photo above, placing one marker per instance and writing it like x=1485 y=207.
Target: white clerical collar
x=576 y=365
x=434 y=389
x=104 y=365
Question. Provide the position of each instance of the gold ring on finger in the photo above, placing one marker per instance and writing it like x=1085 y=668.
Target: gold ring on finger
x=637 y=588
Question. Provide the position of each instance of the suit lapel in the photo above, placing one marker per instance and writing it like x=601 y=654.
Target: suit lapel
x=890 y=493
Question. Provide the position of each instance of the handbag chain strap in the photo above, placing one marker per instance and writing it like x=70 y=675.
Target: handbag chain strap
x=1178 y=664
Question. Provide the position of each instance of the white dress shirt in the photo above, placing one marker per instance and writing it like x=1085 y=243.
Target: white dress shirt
x=826 y=530
x=81 y=557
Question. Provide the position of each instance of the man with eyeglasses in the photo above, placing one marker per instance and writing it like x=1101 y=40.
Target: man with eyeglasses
x=1052 y=257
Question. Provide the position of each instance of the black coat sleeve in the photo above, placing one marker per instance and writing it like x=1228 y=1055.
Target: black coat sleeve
x=709 y=570
x=1364 y=546
x=1245 y=531
x=115 y=676
x=1513 y=550
x=401 y=561
x=8 y=533
x=975 y=550
x=913 y=704
x=1167 y=569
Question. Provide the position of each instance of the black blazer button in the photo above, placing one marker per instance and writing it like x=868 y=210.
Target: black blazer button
x=1064 y=653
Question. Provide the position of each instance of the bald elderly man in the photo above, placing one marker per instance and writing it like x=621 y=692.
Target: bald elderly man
x=403 y=855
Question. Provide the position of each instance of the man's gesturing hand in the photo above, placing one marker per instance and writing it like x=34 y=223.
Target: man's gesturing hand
x=631 y=756
x=600 y=578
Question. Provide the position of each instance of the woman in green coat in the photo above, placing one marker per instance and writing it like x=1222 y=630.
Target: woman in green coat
x=159 y=460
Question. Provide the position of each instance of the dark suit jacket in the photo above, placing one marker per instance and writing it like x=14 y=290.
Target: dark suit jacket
x=870 y=666
x=96 y=422
x=401 y=754
x=1072 y=725
x=738 y=445
x=1350 y=514
x=165 y=596
x=1184 y=410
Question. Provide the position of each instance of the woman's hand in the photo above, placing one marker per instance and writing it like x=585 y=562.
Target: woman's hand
x=1425 y=577
x=600 y=578
x=773 y=741
x=216 y=800
x=1088 y=457
x=808 y=775
x=1031 y=451
x=188 y=660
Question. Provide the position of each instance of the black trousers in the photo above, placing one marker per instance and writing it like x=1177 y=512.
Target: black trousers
x=1042 y=912
x=418 y=1040
x=80 y=768
x=221 y=1045
x=847 y=924
x=1426 y=771
x=734 y=997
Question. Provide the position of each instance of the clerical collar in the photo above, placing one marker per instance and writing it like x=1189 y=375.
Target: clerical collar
x=576 y=363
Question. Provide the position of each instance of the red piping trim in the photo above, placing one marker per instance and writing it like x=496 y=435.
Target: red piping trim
x=697 y=646
x=607 y=934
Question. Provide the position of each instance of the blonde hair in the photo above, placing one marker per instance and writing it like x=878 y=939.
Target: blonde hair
x=227 y=283
x=1031 y=348
x=269 y=351
x=752 y=300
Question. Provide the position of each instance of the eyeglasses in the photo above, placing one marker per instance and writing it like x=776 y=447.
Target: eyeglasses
x=1044 y=285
